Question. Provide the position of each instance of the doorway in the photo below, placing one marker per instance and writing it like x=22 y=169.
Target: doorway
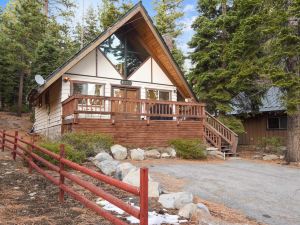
x=125 y=104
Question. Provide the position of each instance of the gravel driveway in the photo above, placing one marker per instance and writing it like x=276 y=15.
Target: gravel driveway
x=269 y=193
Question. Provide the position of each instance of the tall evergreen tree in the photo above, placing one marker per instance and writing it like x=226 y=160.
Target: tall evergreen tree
x=168 y=13
x=22 y=27
x=111 y=10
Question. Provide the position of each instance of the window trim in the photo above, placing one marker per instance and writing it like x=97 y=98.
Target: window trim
x=85 y=82
x=155 y=89
x=279 y=118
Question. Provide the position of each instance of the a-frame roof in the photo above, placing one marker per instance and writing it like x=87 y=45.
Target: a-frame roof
x=138 y=18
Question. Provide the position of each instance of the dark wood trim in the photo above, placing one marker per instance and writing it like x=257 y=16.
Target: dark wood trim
x=144 y=82
x=138 y=67
x=96 y=62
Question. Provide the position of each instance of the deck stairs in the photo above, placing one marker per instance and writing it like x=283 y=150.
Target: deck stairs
x=219 y=136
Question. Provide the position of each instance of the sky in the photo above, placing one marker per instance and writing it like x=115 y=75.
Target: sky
x=189 y=9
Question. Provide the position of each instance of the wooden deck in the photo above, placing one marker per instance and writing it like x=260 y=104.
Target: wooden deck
x=136 y=123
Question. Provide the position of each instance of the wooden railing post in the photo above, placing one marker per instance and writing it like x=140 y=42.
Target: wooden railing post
x=144 y=196
x=61 y=178
x=14 y=154
x=3 y=140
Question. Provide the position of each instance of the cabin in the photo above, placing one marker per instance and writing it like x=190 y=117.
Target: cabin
x=125 y=83
x=270 y=121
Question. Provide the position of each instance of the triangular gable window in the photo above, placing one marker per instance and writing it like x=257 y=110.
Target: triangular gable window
x=124 y=52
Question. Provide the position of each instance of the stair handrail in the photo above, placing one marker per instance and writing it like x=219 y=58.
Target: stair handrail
x=233 y=141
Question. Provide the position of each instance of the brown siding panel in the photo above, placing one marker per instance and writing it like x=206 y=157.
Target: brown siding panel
x=136 y=133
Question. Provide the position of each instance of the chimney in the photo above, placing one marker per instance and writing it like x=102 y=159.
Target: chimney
x=169 y=41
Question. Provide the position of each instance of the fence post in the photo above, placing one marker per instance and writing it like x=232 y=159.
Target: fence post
x=144 y=196
x=3 y=140
x=30 y=156
x=14 y=154
x=61 y=178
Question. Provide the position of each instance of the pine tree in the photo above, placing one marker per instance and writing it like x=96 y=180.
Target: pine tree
x=90 y=28
x=111 y=11
x=22 y=28
x=168 y=13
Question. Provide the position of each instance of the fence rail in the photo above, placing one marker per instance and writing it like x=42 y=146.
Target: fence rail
x=25 y=149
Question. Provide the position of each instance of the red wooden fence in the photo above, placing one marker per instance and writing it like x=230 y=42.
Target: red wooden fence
x=24 y=149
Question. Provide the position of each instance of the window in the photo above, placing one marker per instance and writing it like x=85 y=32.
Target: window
x=124 y=52
x=158 y=95
x=88 y=89
x=276 y=123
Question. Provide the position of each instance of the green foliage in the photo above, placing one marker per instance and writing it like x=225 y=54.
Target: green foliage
x=53 y=146
x=189 y=149
x=168 y=13
x=271 y=145
x=233 y=124
x=88 y=143
x=111 y=10
x=245 y=47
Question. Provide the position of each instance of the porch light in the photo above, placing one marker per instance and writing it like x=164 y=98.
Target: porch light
x=66 y=79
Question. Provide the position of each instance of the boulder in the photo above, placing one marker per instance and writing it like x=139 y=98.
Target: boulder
x=119 y=152
x=165 y=155
x=187 y=211
x=153 y=154
x=123 y=169
x=257 y=157
x=171 y=151
x=212 y=149
x=137 y=154
x=270 y=157
x=175 y=200
x=108 y=167
x=133 y=178
x=103 y=156
x=203 y=207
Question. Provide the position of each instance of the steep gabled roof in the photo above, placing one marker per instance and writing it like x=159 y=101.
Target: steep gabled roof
x=138 y=18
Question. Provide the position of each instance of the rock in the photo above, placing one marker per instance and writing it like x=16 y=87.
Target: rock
x=203 y=207
x=270 y=157
x=123 y=169
x=281 y=157
x=133 y=178
x=108 y=167
x=119 y=152
x=257 y=157
x=154 y=154
x=103 y=156
x=171 y=151
x=187 y=211
x=165 y=155
x=137 y=154
x=175 y=200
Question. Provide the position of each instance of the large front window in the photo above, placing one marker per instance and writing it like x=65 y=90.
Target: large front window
x=88 y=89
x=158 y=95
x=125 y=53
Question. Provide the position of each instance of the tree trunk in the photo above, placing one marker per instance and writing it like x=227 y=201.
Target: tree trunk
x=46 y=7
x=293 y=145
x=20 y=97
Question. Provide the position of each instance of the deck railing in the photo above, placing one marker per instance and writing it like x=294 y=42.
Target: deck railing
x=131 y=108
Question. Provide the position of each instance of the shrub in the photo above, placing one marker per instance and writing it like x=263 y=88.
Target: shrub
x=271 y=144
x=189 y=149
x=233 y=123
x=54 y=146
x=88 y=143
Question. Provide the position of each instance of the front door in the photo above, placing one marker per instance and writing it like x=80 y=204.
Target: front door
x=126 y=104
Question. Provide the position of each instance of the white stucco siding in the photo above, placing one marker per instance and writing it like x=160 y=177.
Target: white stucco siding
x=86 y=66
x=158 y=74
x=143 y=73
x=48 y=117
